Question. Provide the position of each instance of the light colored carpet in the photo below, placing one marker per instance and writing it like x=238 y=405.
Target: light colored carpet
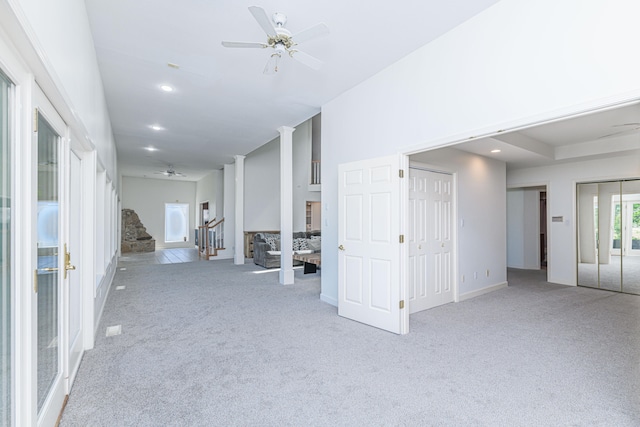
x=213 y=344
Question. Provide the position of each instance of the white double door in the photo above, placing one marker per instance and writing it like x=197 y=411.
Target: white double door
x=56 y=317
x=381 y=279
x=430 y=269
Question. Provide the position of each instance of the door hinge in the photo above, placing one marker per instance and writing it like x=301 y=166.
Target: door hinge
x=402 y=238
x=401 y=304
x=35 y=280
x=35 y=120
x=401 y=173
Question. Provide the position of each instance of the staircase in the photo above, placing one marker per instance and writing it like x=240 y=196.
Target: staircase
x=211 y=239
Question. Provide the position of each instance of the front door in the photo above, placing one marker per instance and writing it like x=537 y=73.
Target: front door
x=48 y=277
x=369 y=252
x=430 y=269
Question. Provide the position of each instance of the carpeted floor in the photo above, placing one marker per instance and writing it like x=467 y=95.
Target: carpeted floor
x=213 y=344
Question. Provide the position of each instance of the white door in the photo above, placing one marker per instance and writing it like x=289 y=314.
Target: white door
x=369 y=251
x=430 y=239
x=73 y=294
x=48 y=247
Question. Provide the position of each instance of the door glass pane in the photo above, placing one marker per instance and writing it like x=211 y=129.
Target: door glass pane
x=5 y=256
x=611 y=235
x=587 y=235
x=47 y=247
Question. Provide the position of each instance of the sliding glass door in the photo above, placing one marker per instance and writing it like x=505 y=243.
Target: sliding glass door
x=609 y=235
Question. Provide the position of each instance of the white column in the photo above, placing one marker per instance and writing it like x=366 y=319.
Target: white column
x=229 y=207
x=238 y=255
x=286 y=205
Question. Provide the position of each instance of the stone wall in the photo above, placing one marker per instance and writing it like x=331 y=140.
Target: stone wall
x=134 y=236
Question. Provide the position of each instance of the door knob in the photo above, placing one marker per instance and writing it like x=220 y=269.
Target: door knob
x=341 y=248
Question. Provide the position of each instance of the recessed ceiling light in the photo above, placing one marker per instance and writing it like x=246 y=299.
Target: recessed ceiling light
x=495 y=151
x=166 y=88
x=156 y=127
x=151 y=148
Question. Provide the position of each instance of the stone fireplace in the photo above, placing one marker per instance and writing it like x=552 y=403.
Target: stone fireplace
x=134 y=236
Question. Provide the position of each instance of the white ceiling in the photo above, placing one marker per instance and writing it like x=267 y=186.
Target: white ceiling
x=224 y=105
x=602 y=134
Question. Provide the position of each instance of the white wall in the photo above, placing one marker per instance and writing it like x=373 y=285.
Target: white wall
x=523 y=225
x=262 y=183
x=209 y=189
x=148 y=197
x=516 y=63
x=561 y=201
x=69 y=48
x=481 y=210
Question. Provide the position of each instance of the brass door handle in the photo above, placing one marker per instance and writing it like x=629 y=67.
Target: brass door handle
x=341 y=248
x=67 y=261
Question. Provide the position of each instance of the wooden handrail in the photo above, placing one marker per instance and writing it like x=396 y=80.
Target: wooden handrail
x=208 y=248
x=216 y=224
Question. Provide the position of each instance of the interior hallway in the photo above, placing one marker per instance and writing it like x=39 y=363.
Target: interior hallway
x=211 y=343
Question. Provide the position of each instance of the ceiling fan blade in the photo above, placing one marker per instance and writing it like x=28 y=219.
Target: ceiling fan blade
x=622 y=132
x=272 y=64
x=263 y=20
x=310 y=33
x=307 y=59
x=244 y=44
x=625 y=124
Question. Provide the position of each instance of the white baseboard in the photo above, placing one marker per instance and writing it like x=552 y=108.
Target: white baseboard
x=329 y=300
x=473 y=294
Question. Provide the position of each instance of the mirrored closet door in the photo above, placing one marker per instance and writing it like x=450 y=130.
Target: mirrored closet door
x=609 y=235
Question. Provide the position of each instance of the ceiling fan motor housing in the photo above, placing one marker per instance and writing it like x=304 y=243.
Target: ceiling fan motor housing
x=279 y=19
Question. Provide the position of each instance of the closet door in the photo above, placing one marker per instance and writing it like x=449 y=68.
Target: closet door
x=587 y=219
x=611 y=235
x=631 y=237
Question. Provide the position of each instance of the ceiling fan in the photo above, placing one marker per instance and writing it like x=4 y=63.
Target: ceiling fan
x=170 y=172
x=636 y=127
x=281 y=40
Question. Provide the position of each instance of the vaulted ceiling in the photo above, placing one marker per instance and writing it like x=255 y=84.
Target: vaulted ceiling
x=222 y=104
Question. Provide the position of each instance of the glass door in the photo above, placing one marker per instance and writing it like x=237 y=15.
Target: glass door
x=47 y=246
x=608 y=218
x=48 y=226
x=631 y=242
x=611 y=236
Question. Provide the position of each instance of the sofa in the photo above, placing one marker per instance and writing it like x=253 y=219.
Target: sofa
x=266 y=247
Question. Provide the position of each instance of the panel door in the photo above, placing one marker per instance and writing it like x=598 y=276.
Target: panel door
x=431 y=241
x=369 y=268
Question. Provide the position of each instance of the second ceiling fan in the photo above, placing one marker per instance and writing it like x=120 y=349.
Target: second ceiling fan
x=281 y=40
